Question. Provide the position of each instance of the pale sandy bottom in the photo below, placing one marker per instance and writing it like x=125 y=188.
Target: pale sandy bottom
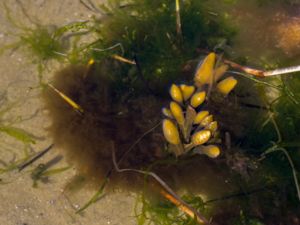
x=20 y=203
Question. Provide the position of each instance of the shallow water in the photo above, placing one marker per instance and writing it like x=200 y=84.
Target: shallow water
x=46 y=204
x=269 y=33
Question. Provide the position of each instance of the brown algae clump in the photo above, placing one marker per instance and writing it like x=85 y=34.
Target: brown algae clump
x=86 y=138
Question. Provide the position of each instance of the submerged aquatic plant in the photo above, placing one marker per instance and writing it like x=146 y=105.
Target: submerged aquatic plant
x=43 y=43
x=42 y=173
x=8 y=128
x=141 y=47
x=162 y=212
x=194 y=131
x=125 y=38
x=148 y=34
x=135 y=59
x=282 y=117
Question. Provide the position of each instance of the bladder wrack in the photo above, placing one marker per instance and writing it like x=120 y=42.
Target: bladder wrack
x=189 y=128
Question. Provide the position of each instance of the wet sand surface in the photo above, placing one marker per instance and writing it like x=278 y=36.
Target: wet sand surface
x=20 y=202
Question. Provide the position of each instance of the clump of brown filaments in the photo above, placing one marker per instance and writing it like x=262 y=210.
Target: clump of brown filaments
x=87 y=138
x=108 y=120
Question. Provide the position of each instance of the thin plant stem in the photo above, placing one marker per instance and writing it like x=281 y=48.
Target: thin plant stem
x=178 y=19
x=11 y=20
x=281 y=71
x=122 y=59
x=110 y=48
x=100 y=191
x=67 y=99
x=293 y=169
x=283 y=87
x=262 y=73
x=239 y=194
x=167 y=192
x=288 y=92
x=272 y=119
x=90 y=6
x=36 y=157
x=137 y=141
x=256 y=80
x=25 y=12
x=274 y=148
x=99 y=194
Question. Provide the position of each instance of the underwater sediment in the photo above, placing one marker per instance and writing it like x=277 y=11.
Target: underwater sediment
x=109 y=96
